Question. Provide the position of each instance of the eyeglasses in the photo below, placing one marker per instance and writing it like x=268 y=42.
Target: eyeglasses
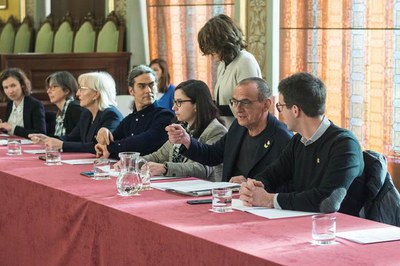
x=83 y=88
x=245 y=103
x=144 y=85
x=279 y=106
x=179 y=102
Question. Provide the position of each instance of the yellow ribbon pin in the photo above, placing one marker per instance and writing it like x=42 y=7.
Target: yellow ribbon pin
x=266 y=145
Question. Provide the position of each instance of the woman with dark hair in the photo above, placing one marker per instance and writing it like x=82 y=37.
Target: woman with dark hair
x=193 y=107
x=61 y=88
x=221 y=38
x=165 y=97
x=24 y=114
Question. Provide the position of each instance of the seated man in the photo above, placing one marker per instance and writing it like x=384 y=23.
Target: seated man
x=143 y=130
x=320 y=162
x=255 y=139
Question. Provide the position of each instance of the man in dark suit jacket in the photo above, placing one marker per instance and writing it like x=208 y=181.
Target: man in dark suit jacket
x=33 y=116
x=254 y=140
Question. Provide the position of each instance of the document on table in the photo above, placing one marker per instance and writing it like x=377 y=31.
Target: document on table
x=193 y=187
x=40 y=151
x=83 y=161
x=267 y=212
x=4 y=135
x=153 y=178
x=3 y=142
x=374 y=235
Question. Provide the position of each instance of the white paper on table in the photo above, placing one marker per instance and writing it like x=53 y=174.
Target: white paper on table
x=35 y=151
x=3 y=142
x=375 y=235
x=82 y=161
x=114 y=173
x=193 y=187
x=267 y=212
x=4 y=135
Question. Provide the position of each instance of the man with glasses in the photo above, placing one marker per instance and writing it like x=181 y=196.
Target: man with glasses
x=320 y=162
x=143 y=130
x=254 y=140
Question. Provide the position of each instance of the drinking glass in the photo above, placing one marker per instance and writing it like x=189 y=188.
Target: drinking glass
x=53 y=156
x=222 y=200
x=101 y=169
x=14 y=147
x=323 y=229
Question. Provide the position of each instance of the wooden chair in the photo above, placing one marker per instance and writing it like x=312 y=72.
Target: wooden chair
x=45 y=36
x=85 y=37
x=24 y=37
x=64 y=36
x=111 y=35
x=7 y=36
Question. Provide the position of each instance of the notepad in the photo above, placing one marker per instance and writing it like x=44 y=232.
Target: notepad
x=83 y=161
x=268 y=212
x=375 y=235
x=3 y=142
x=193 y=187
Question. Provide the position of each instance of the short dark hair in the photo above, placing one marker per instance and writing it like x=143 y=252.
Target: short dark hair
x=65 y=80
x=222 y=36
x=306 y=91
x=19 y=75
x=264 y=92
x=206 y=110
x=165 y=79
x=137 y=71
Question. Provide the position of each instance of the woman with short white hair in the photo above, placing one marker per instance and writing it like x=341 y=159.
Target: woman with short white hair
x=97 y=95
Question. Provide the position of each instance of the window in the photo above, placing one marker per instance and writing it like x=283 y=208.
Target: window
x=354 y=47
x=173 y=28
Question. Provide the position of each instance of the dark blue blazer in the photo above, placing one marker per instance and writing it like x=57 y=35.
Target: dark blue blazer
x=33 y=115
x=83 y=137
x=227 y=149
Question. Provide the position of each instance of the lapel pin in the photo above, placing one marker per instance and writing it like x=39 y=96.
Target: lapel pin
x=266 y=145
x=318 y=160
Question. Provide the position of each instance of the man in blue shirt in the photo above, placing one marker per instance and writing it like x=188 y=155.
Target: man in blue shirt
x=144 y=129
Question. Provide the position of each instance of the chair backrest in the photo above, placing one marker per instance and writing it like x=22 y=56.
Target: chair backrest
x=44 y=38
x=85 y=37
x=64 y=36
x=7 y=36
x=24 y=37
x=111 y=35
x=125 y=104
x=382 y=200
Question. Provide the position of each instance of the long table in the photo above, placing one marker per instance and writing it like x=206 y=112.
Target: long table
x=51 y=215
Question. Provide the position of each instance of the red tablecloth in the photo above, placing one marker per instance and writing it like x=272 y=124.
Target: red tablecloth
x=51 y=215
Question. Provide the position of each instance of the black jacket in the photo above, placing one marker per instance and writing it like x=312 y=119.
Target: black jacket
x=33 y=116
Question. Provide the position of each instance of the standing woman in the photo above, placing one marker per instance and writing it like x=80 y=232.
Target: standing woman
x=61 y=88
x=24 y=114
x=221 y=38
x=165 y=97
x=96 y=95
x=194 y=107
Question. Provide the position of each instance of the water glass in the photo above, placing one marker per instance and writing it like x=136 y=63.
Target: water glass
x=53 y=156
x=144 y=171
x=323 y=229
x=222 y=200
x=14 y=147
x=101 y=169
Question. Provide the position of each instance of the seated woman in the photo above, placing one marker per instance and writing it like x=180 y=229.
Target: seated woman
x=24 y=114
x=96 y=94
x=194 y=107
x=61 y=88
x=165 y=97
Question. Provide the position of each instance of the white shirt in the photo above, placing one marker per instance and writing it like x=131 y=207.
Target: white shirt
x=16 y=117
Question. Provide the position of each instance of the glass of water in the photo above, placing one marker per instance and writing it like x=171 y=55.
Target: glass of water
x=53 y=156
x=101 y=169
x=14 y=147
x=222 y=200
x=323 y=229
